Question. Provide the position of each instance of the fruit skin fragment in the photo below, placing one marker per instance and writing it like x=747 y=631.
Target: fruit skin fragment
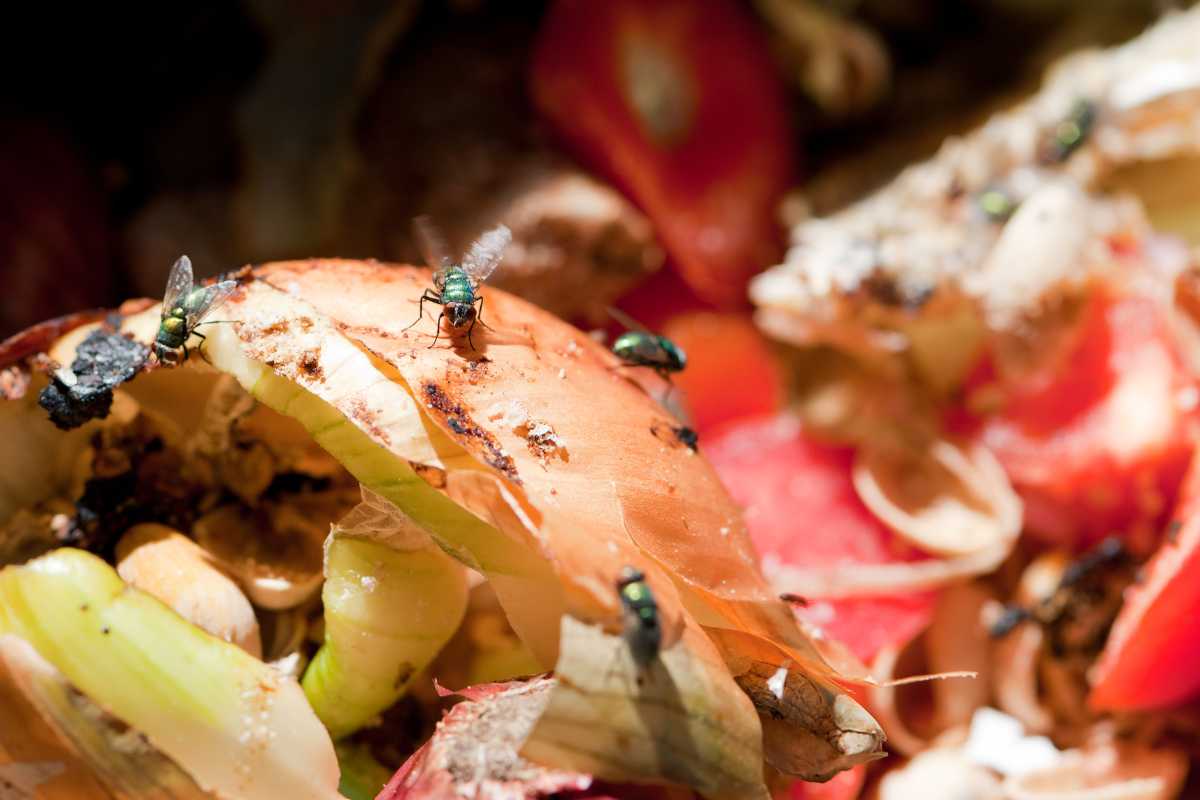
x=1152 y=652
x=233 y=723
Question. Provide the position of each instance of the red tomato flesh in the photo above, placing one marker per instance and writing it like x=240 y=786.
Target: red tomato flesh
x=1098 y=445
x=1152 y=658
x=802 y=511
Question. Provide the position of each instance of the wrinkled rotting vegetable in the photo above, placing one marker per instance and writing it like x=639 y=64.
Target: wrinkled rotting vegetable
x=531 y=461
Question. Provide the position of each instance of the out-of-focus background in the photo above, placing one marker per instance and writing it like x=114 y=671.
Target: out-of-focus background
x=242 y=132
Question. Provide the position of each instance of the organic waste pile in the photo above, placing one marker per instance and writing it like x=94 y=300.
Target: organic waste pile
x=909 y=508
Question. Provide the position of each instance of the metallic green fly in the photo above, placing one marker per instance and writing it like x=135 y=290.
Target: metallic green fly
x=456 y=285
x=637 y=347
x=643 y=633
x=184 y=306
x=1070 y=134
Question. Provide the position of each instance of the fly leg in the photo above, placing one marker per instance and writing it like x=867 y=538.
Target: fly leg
x=479 y=315
x=202 y=338
x=438 y=331
x=427 y=295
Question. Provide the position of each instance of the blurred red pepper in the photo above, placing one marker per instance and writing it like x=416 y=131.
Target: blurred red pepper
x=679 y=104
x=802 y=511
x=1153 y=651
x=1098 y=442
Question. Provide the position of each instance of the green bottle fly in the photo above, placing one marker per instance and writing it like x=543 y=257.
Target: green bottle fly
x=184 y=306
x=643 y=633
x=456 y=286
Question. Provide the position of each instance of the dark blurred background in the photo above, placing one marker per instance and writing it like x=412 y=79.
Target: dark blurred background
x=258 y=130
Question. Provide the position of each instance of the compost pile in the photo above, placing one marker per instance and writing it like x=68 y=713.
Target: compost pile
x=775 y=419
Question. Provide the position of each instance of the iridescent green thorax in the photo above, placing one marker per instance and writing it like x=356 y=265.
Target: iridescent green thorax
x=457 y=287
x=647 y=350
x=1073 y=131
x=172 y=331
x=642 y=631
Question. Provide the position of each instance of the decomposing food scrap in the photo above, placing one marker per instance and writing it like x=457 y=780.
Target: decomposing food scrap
x=84 y=391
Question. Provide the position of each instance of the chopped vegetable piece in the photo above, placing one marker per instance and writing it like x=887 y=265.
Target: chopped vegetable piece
x=1151 y=655
x=388 y=611
x=237 y=726
x=678 y=103
x=803 y=512
x=1097 y=442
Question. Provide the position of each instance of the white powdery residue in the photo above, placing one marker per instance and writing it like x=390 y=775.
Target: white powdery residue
x=562 y=373
x=998 y=741
x=776 y=682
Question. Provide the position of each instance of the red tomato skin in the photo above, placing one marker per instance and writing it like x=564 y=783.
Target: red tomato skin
x=1100 y=445
x=802 y=511
x=1152 y=657
x=711 y=176
x=843 y=786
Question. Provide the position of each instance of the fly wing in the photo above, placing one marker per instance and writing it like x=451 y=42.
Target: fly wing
x=484 y=256
x=179 y=282
x=213 y=296
x=432 y=245
x=629 y=322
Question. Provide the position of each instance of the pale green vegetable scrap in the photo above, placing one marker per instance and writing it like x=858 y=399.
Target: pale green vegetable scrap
x=236 y=725
x=392 y=601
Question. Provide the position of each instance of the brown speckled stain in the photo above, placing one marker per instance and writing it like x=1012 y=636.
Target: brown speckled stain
x=466 y=430
x=368 y=418
x=310 y=365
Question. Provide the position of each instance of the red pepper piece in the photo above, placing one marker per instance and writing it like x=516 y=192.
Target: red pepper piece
x=679 y=104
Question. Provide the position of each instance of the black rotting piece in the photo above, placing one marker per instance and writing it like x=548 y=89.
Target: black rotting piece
x=687 y=436
x=104 y=361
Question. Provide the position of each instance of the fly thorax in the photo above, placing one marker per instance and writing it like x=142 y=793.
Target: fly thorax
x=457 y=289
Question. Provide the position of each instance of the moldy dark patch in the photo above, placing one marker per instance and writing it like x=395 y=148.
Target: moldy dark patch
x=104 y=360
x=688 y=436
x=459 y=421
x=310 y=365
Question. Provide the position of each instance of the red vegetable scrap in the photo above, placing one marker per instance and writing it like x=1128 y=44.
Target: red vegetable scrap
x=1097 y=442
x=803 y=512
x=1151 y=657
x=679 y=104
x=731 y=372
